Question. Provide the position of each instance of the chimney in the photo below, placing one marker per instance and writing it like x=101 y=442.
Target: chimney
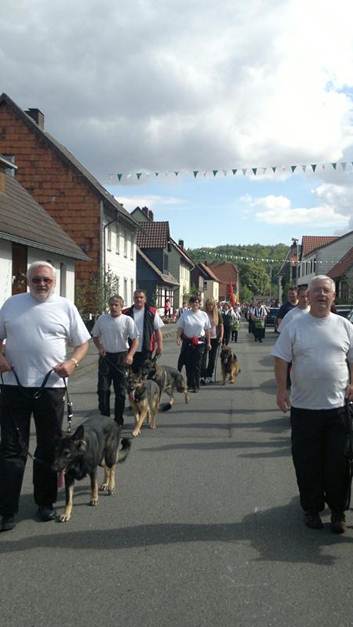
x=181 y=243
x=37 y=116
x=145 y=211
x=150 y=215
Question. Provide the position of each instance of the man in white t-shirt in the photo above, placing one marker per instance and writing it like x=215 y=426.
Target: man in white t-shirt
x=38 y=326
x=149 y=324
x=319 y=345
x=111 y=335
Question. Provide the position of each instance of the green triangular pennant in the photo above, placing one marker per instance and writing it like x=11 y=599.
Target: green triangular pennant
x=334 y=165
x=119 y=176
x=214 y=172
x=313 y=166
x=138 y=174
x=156 y=173
x=254 y=171
x=235 y=171
x=195 y=173
x=274 y=168
x=293 y=168
x=176 y=173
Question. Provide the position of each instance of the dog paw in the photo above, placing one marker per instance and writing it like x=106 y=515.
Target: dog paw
x=93 y=502
x=111 y=491
x=103 y=487
x=136 y=432
x=63 y=518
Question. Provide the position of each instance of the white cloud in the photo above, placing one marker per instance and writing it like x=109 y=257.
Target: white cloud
x=163 y=85
x=151 y=201
x=278 y=210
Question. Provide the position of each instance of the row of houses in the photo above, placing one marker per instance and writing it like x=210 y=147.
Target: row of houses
x=330 y=255
x=53 y=208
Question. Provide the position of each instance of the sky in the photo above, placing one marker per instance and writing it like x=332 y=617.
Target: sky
x=146 y=86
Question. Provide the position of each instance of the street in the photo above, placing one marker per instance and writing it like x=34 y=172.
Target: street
x=205 y=529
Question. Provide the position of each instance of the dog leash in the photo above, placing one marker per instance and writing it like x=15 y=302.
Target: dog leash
x=36 y=396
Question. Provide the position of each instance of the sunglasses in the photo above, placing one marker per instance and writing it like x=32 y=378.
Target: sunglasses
x=41 y=279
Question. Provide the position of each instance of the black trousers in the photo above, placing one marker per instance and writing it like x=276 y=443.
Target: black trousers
x=234 y=335
x=318 y=440
x=226 y=335
x=209 y=359
x=192 y=356
x=112 y=369
x=17 y=406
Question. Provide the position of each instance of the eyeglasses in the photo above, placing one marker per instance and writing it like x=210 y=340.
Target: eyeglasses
x=41 y=279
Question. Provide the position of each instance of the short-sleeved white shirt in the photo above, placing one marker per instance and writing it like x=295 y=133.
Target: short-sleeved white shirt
x=194 y=323
x=139 y=316
x=318 y=349
x=114 y=332
x=37 y=335
x=294 y=313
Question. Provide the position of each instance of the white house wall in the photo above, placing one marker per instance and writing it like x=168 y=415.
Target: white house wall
x=120 y=259
x=184 y=282
x=326 y=258
x=5 y=270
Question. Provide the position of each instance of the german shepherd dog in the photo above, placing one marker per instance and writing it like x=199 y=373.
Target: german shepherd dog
x=144 y=395
x=168 y=379
x=94 y=443
x=230 y=365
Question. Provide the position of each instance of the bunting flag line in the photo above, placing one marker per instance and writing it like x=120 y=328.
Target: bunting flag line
x=313 y=168
x=247 y=258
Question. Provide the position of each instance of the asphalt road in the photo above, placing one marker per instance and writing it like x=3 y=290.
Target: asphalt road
x=206 y=528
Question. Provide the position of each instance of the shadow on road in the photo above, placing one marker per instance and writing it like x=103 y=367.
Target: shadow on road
x=277 y=534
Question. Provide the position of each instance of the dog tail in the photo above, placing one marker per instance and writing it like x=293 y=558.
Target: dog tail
x=124 y=450
x=166 y=406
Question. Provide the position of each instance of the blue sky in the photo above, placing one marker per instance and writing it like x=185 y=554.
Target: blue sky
x=197 y=85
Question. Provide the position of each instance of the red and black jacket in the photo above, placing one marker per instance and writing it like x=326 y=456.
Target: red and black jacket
x=149 y=334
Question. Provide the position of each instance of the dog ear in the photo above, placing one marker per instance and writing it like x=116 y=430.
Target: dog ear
x=78 y=435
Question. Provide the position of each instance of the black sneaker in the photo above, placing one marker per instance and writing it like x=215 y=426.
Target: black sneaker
x=313 y=520
x=8 y=523
x=46 y=513
x=202 y=381
x=338 y=522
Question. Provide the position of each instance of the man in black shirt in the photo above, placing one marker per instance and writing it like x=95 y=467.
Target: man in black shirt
x=292 y=302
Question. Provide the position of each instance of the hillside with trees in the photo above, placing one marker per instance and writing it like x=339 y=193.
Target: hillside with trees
x=258 y=265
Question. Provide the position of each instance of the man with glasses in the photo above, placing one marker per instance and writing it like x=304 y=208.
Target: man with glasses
x=320 y=346
x=37 y=326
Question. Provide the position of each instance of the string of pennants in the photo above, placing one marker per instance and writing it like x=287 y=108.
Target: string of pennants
x=230 y=257
x=261 y=171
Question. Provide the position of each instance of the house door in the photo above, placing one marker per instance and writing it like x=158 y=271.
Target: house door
x=19 y=268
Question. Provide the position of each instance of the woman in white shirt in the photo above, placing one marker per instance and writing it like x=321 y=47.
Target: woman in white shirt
x=216 y=337
x=193 y=331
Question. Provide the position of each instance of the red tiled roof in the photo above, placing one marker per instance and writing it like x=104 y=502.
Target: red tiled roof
x=312 y=242
x=153 y=235
x=208 y=271
x=342 y=266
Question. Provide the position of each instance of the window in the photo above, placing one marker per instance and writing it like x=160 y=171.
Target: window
x=117 y=240
x=62 y=279
x=132 y=248
x=109 y=239
x=131 y=291
x=125 y=244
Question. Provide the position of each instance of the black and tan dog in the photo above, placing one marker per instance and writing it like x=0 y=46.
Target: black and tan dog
x=94 y=443
x=230 y=365
x=169 y=380
x=144 y=396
